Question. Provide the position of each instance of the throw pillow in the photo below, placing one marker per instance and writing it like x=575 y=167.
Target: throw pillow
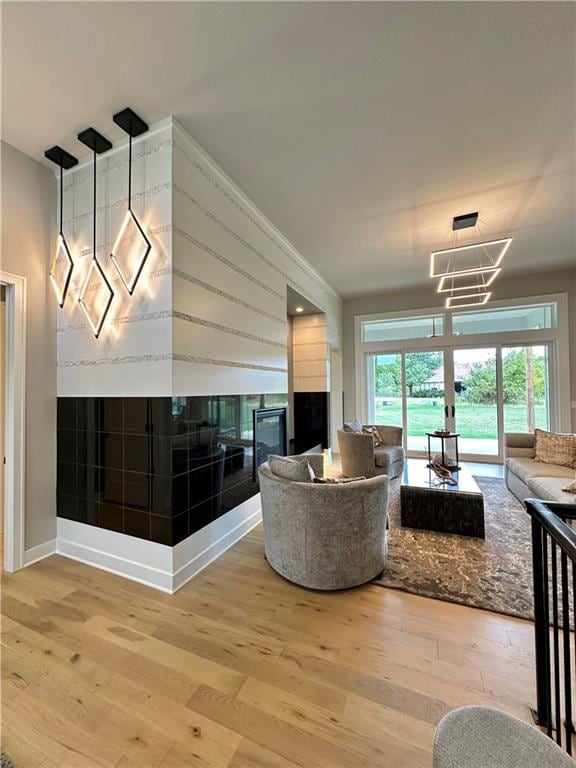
x=289 y=468
x=570 y=488
x=352 y=426
x=553 y=448
x=337 y=480
x=375 y=435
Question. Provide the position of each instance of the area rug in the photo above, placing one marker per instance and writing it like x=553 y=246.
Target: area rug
x=494 y=573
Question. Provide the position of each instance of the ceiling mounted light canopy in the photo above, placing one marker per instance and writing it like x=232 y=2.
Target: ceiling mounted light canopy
x=468 y=300
x=131 y=247
x=468 y=258
x=96 y=294
x=62 y=265
x=468 y=281
x=465 y=220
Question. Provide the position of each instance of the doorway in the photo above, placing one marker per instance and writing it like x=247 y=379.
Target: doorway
x=2 y=411
x=13 y=392
x=478 y=392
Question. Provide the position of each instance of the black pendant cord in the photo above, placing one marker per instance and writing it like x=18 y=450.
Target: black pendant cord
x=61 y=200
x=130 y=173
x=94 y=222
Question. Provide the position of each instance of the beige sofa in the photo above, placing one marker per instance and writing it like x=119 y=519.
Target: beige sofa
x=528 y=478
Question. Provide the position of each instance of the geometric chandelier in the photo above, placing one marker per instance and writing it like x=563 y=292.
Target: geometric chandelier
x=131 y=247
x=96 y=294
x=466 y=271
x=62 y=265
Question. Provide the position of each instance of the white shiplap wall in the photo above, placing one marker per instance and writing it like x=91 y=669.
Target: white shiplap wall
x=209 y=313
x=311 y=354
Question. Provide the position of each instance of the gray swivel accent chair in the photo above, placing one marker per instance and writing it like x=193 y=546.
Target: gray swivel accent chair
x=324 y=536
x=479 y=737
x=359 y=457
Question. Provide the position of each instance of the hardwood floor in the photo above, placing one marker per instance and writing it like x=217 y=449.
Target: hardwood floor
x=241 y=669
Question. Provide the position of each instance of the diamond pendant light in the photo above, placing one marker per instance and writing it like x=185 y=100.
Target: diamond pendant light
x=96 y=294
x=131 y=247
x=62 y=265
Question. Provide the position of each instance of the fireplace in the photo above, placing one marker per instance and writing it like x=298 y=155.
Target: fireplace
x=270 y=434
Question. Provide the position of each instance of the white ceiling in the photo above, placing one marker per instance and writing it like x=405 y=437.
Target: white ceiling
x=359 y=129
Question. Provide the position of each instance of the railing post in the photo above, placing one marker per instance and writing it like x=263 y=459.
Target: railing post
x=542 y=714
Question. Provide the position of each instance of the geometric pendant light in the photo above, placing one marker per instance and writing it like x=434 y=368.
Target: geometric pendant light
x=131 y=247
x=468 y=258
x=468 y=281
x=96 y=294
x=62 y=265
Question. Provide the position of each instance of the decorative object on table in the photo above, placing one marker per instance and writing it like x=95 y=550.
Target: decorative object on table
x=444 y=457
x=324 y=536
x=131 y=247
x=360 y=457
x=96 y=294
x=442 y=473
x=62 y=264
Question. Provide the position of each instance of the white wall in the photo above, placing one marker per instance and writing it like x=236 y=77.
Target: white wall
x=28 y=237
x=311 y=354
x=506 y=287
x=231 y=269
x=132 y=356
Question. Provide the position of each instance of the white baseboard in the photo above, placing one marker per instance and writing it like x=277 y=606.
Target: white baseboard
x=196 y=552
x=39 y=552
x=144 y=561
x=155 y=565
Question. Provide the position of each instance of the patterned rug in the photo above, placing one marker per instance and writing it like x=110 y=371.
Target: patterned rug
x=494 y=573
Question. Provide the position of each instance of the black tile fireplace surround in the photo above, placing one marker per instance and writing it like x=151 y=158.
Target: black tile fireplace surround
x=158 y=468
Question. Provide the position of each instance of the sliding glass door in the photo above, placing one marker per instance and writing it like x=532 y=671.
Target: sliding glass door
x=526 y=388
x=478 y=392
x=385 y=390
x=406 y=389
x=475 y=412
x=424 y=376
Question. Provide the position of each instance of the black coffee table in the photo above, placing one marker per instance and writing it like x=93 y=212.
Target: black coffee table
x=427 y=504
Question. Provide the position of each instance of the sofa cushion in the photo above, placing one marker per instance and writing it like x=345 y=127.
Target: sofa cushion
x=337 y=480
x=375 y=435
x=550 y=489
x=571 y=487
x=526 y=469
x=352 y=426
x=553 y=448
x=385 y=455
x=289 y=468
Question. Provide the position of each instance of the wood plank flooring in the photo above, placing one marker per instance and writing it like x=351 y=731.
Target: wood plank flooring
x=241 y=669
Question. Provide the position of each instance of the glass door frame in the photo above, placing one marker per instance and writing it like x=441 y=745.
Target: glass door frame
x=451 y=414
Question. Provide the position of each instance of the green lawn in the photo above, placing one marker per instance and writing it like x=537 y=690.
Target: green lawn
x=474 y=421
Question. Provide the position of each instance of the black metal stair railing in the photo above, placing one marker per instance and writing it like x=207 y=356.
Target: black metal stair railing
x=554 y=574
